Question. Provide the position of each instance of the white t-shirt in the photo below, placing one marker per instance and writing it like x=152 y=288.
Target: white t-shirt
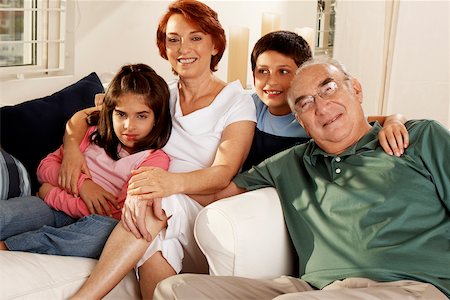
x=192 y=145
x=196 y=136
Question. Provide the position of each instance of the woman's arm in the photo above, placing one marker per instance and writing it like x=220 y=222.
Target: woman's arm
x=394 y=137
x=231 y=190
x=150 y=183
x=73 y=162
x=153 y=183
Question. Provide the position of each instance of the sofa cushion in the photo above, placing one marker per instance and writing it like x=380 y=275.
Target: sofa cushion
x=29 y=276
x=32 y=129
x=14 y=178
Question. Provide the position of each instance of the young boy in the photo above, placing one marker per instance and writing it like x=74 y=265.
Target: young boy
x=274 y=60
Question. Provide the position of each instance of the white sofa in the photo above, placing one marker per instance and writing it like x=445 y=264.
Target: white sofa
x=243 y=235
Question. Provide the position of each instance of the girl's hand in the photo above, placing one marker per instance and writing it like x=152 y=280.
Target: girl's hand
x=44 y=189
x=97 y=199
x=138 y=217
x=72 y=165
x=133 y=217
x=393 y=137
x=148 y=183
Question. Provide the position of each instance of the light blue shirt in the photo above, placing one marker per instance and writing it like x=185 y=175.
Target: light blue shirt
x=286 y=126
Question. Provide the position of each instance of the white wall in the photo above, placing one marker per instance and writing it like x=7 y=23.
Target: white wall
x=359 y=43
x=410 y=72
x=109 y=34
x=419 y=85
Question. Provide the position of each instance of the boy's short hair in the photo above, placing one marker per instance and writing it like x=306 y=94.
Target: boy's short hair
x=287 y=43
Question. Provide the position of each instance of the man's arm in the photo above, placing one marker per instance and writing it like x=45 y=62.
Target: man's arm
x=432 y=144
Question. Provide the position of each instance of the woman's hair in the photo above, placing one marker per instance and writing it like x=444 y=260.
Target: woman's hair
x=287 y=43
x=138 y=79
x=200 y=15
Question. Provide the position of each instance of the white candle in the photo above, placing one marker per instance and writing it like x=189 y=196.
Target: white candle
x=308 y=34
x=270 y=22
x=238 y=55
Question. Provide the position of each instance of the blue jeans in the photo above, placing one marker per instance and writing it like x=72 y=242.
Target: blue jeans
x=28 y=224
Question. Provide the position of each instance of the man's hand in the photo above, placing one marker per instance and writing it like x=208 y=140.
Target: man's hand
x=97 y=199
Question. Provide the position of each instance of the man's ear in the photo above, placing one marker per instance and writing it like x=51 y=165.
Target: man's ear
x=301 y=123
x=358 y=89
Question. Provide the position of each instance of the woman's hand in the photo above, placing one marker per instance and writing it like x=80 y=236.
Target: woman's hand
x=148 y=183
x=393 y=137
x=97 y=199
x=73 y=163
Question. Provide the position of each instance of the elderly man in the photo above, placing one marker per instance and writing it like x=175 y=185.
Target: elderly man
x=365 y=225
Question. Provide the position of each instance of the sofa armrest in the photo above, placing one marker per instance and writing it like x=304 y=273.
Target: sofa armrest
x=245 y=235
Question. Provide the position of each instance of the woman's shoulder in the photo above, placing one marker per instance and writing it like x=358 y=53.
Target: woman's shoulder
x=234 y=94
x=235 y=103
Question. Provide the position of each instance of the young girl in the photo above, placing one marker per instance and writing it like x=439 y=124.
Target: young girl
x=134 y=119
x=132 y=126
x=274 y=60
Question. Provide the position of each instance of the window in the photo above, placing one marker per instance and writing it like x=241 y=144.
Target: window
x=326 y=13
x=32 y=37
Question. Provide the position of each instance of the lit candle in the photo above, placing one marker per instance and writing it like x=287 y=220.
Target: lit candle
x=237 y=55
x=270 y=22
x=308 y=34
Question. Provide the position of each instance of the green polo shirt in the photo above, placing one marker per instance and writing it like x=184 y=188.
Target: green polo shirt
x=365 y=213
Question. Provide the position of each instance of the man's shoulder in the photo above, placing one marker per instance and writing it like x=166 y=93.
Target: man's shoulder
x=425 y=134
x=420 y=126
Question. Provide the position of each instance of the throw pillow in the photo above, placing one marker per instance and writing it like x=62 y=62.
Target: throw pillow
x=32 y=129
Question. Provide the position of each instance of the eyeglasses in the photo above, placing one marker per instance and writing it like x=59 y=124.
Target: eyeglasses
x=325 y=91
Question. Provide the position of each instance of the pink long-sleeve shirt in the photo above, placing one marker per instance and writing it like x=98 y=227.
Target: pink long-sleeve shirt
x=110 y=174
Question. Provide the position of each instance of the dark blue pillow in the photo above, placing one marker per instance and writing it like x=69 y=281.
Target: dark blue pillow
x=32 y=129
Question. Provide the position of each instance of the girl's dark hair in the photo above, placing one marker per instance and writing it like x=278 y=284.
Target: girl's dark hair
x=199 y=14
x=138 y=79
x=287 y=43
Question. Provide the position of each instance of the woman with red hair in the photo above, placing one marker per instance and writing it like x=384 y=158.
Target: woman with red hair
x=213 y=125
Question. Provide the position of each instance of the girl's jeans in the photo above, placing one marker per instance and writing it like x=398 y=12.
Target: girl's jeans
x=29 y=224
